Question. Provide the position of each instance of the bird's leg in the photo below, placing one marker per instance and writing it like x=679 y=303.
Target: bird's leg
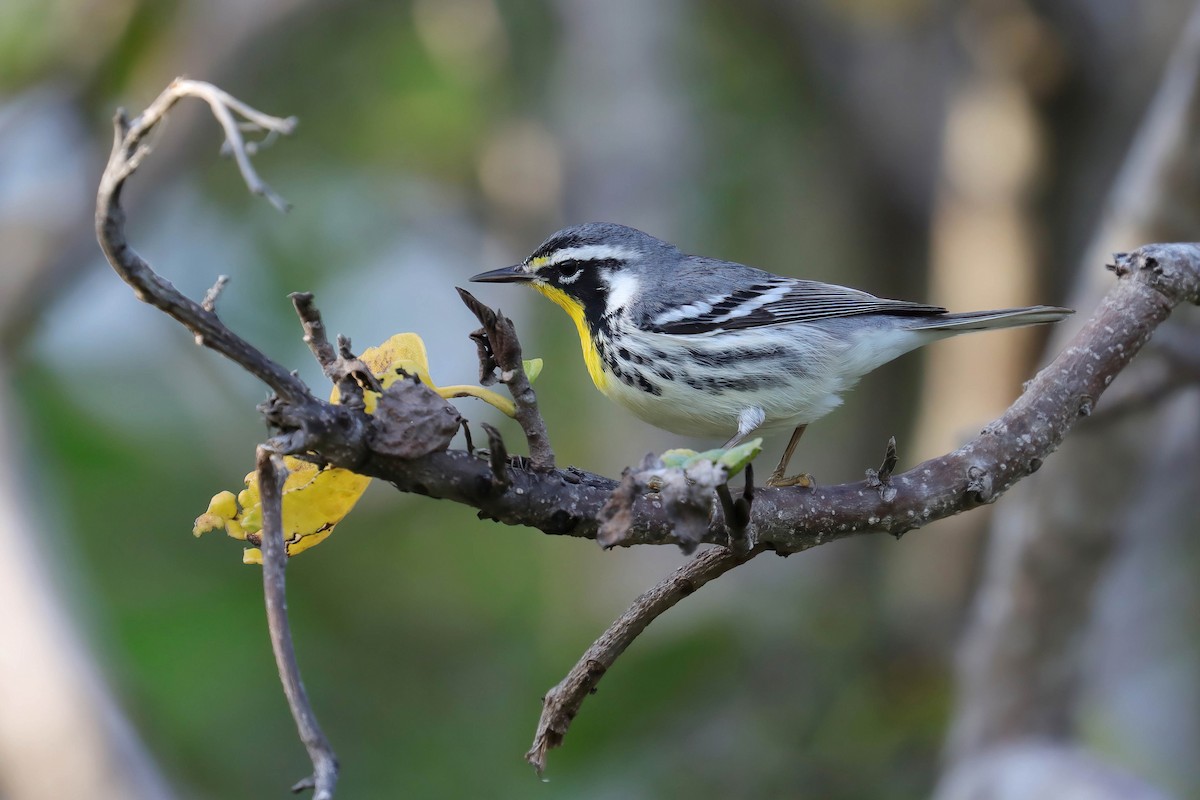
x=777 y=477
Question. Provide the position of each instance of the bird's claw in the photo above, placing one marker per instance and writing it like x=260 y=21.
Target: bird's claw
x=803 y=480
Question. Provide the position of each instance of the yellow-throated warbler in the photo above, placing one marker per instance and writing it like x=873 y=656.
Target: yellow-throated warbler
x=710 y=348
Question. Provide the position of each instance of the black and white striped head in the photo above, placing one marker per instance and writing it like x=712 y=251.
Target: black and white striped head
x=599 y=265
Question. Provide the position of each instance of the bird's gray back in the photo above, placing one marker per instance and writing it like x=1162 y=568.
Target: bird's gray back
x=678 y=280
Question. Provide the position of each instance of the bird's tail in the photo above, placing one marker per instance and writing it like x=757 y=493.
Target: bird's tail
x=989 y=320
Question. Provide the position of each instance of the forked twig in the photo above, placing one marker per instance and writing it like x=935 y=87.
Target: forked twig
x=314 y=331
x=497 y=459
x=500 y=348
x=130 y=146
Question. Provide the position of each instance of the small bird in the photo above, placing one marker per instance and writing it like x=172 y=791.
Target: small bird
x=710 y=348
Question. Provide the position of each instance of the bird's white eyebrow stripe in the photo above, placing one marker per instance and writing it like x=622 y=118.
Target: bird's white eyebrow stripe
x=590 y=252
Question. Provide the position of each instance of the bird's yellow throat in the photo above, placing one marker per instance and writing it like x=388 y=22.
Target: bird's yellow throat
x=574 y=309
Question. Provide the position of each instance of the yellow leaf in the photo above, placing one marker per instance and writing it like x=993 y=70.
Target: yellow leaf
x=405 y=353
x=316 y=499
x=221 y=509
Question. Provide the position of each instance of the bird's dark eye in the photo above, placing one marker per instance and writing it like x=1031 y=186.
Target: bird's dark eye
x=568 y=269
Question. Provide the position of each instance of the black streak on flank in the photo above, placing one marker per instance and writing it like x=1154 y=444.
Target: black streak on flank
x=731 y=358
x=629 y=375
x=647 y=386
x=722 y=384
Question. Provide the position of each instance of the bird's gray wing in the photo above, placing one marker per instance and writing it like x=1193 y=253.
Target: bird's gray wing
x=760 y=299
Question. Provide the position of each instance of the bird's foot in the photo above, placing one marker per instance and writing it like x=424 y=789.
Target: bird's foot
x=803 y=480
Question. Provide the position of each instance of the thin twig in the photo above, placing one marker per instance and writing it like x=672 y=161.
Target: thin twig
x=271 y=474
x=130 y=146
x=209 y=303
x=224 y=106
x=499 y=347
x=497 y=458
x=737 y=512
x=344 y=370
x=881 y=479
x=563 y=701
x=314 y=330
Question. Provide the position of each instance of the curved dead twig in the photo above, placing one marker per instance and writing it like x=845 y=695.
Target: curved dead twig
x=130 y=146
x=562 y=702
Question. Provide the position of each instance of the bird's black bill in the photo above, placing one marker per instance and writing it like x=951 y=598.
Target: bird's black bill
x=513 y=274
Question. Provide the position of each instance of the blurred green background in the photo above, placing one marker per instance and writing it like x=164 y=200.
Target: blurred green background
x=438 y=139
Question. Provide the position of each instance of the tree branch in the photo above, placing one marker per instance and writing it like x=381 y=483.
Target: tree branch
x=271 y=475
x=1150 y=282
x=563 y=701
x=1022 y=666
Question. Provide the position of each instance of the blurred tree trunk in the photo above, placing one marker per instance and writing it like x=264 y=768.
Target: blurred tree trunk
x=620 y=111
x=986 y=236
x=626 y=131
x=1104 y=495
x=61 y=735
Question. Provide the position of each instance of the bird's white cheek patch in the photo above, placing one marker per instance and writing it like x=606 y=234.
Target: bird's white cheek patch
x=622 y=288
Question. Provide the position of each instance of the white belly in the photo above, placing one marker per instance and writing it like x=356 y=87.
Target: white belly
x=796 y=375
